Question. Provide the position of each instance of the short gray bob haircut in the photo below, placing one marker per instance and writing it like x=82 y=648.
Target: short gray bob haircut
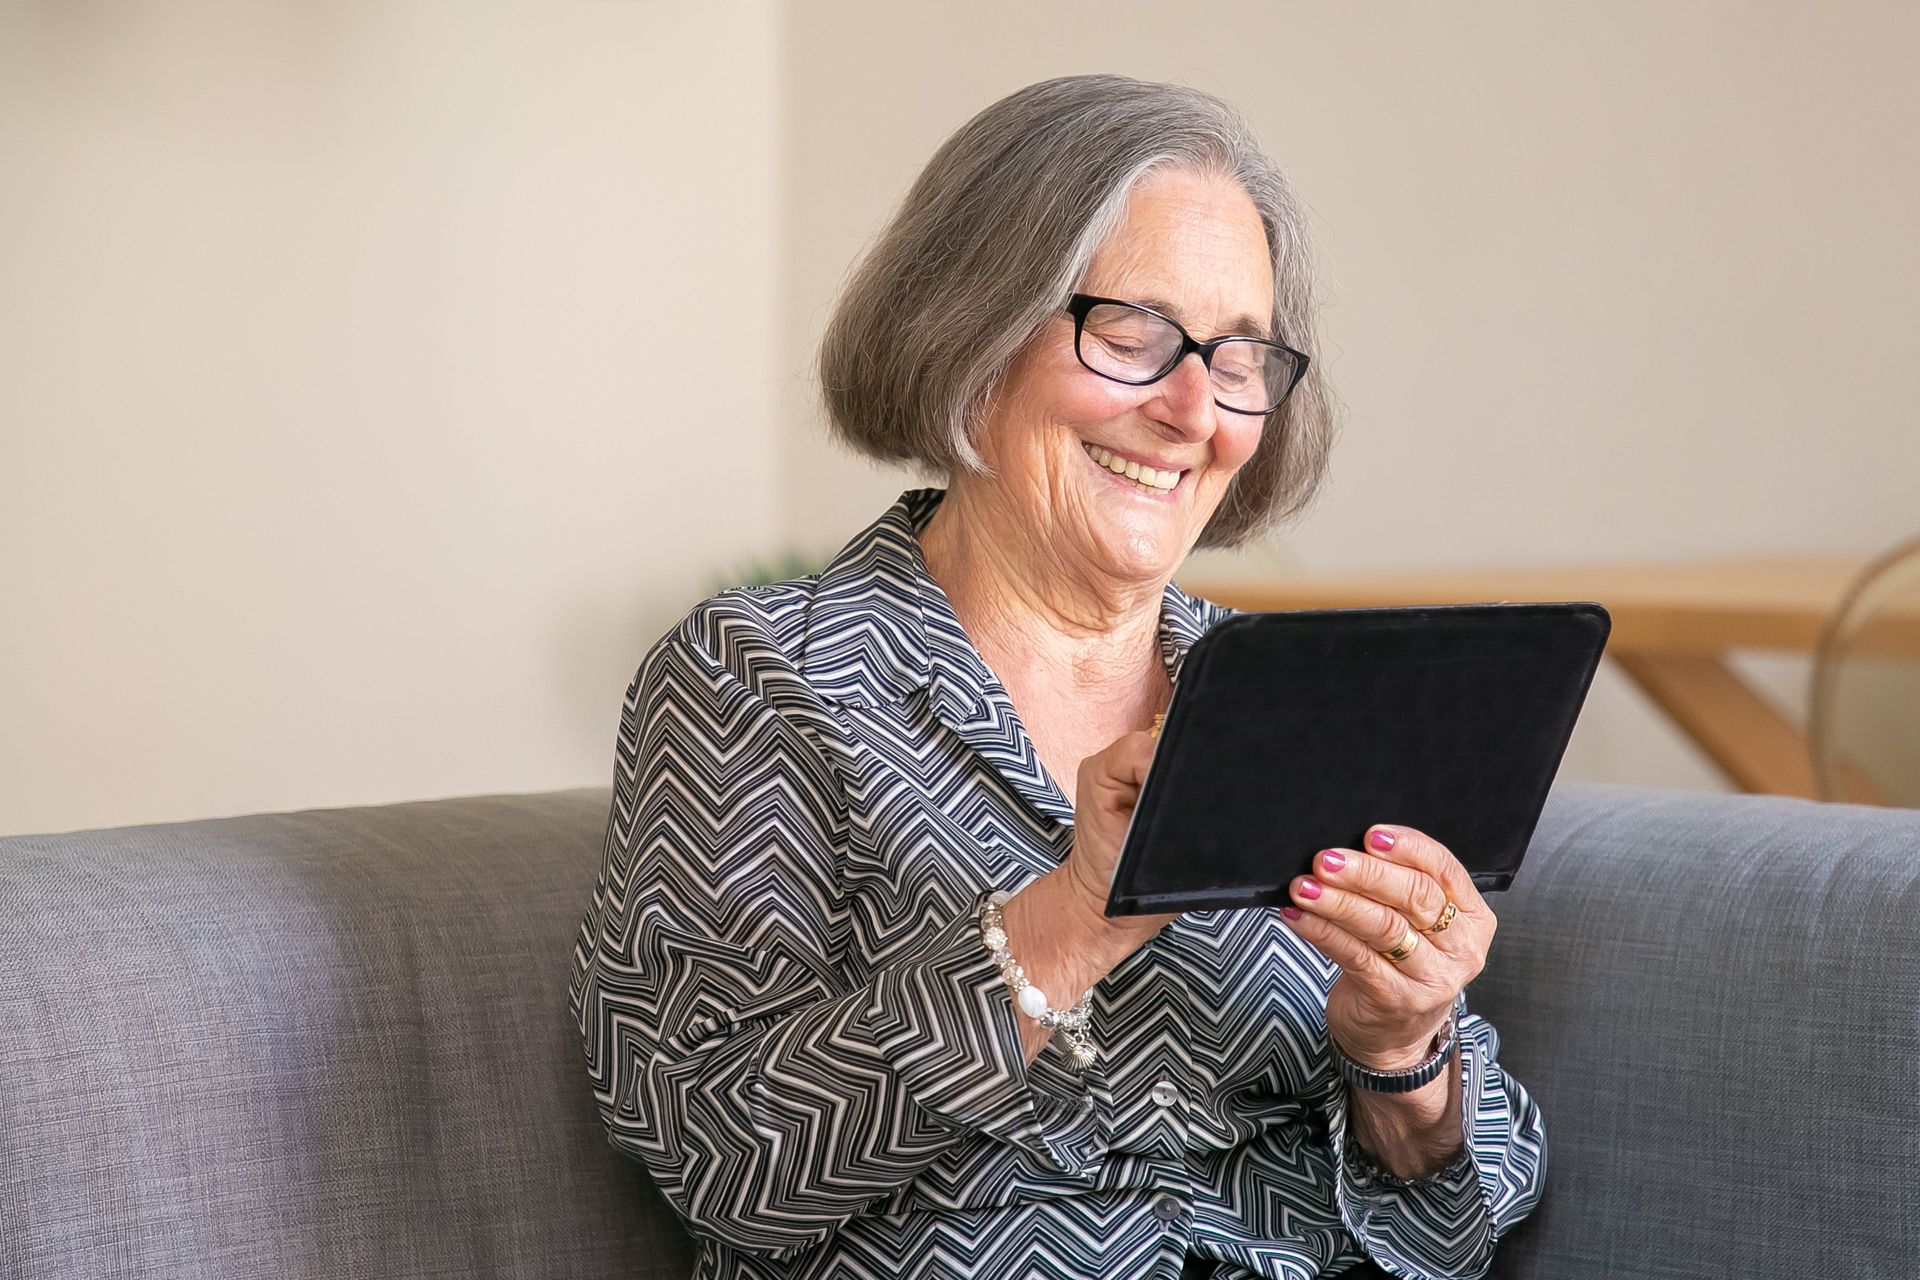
x=995 y=233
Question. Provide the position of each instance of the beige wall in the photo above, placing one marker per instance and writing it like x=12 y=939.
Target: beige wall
x=359 y=419
x=1606 y=280
x=358 y=430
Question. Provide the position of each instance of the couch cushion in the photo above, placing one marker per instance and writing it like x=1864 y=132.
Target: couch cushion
x=325 y=1043
x=1716 y=1000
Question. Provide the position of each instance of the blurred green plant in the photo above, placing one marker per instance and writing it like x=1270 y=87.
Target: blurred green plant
x=774 y=568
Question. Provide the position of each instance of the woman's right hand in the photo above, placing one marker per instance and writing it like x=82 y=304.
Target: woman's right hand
x=1104 y=797
x=1057 y=927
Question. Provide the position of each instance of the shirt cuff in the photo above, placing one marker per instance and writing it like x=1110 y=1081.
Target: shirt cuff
x=946 y=1021
x=1437 y=1227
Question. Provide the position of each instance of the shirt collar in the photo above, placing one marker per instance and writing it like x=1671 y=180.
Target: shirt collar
x=880 y=628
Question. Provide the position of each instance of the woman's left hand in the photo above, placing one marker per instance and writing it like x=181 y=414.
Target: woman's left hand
x=1357 y=905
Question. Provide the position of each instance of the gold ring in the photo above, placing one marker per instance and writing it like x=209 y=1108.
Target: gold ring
x=1159 y=722
x=1447 y=913
x=1403 y=948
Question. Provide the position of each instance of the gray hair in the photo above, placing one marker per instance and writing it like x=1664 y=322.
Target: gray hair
x=995 y=233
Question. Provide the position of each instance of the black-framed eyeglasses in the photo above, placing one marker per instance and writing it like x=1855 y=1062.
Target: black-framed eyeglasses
x=1129 y=343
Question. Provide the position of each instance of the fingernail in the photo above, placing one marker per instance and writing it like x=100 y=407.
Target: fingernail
x=1291 y=913
x=1331 y=860
x=1381 y=840
x=1309 y=890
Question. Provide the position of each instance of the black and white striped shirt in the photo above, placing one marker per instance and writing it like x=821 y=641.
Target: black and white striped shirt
x=788 y=1015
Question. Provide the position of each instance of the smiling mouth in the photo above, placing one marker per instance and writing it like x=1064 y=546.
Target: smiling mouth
x=1143 y=477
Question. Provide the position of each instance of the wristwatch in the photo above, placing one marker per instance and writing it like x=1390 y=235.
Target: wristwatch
x=1424 y=1072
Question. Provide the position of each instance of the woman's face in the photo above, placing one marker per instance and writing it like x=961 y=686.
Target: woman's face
x=1191 y=247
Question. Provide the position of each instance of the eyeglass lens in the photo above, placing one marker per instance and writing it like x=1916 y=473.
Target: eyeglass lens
x=1130 y=345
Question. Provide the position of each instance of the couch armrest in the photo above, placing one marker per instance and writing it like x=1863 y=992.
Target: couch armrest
x=1716 y=1000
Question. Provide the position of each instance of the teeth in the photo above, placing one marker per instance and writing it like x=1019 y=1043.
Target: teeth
x=1145 y=477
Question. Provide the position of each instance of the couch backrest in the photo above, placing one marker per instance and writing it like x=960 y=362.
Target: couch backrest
x=1716 y=1000
x=325 y=1043
x=336 y=1042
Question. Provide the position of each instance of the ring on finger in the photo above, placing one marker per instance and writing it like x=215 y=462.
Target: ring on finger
x=1408 y=944
x=1447 y=913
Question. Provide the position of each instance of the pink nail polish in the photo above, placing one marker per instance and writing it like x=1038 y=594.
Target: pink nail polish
x=1330 y=860
x=1309 y=890
x=1381 y=840
x=1291 y=913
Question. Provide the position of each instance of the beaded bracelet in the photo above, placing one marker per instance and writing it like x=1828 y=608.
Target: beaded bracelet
x=1071 y=1025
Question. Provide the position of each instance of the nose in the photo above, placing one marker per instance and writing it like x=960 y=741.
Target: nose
x=1182 y=405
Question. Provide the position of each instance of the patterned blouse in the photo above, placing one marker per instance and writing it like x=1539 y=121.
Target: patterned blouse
x=789 y=1017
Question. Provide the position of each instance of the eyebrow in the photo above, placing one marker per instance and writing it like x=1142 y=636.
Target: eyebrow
x=1244 y=326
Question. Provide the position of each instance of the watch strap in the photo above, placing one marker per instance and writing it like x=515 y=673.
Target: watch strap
x=1420 y=1074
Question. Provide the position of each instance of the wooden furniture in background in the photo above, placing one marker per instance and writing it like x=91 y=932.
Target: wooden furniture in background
x=1673 y=627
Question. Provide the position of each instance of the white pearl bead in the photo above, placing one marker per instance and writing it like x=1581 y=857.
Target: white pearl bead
x=1033 y=1001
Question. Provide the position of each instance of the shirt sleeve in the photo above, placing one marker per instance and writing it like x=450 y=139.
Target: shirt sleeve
x=770 y=1098
x=1444 y=1227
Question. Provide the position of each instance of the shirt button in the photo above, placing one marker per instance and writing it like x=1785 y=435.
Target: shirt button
x=1166 y=1208
x=1165 y=1094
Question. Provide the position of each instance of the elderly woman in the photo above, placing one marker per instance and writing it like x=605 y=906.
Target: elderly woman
x=846 y=984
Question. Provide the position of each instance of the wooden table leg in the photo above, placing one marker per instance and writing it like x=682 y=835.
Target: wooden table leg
x=1757 y=747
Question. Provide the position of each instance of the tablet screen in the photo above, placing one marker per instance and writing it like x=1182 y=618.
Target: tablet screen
x=1294 y=732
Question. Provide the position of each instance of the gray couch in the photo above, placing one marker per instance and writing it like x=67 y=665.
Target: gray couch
x=336 y=1043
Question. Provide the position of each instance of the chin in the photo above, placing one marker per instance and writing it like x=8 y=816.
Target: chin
x=1153 y=541
x=1144 y=554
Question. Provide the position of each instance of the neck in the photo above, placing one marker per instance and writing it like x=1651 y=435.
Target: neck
x=1034 y=614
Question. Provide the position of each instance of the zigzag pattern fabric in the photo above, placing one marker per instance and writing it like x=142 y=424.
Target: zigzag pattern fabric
x=788 y=1016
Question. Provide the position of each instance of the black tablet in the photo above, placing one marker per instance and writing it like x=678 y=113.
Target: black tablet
x=1289 y=733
